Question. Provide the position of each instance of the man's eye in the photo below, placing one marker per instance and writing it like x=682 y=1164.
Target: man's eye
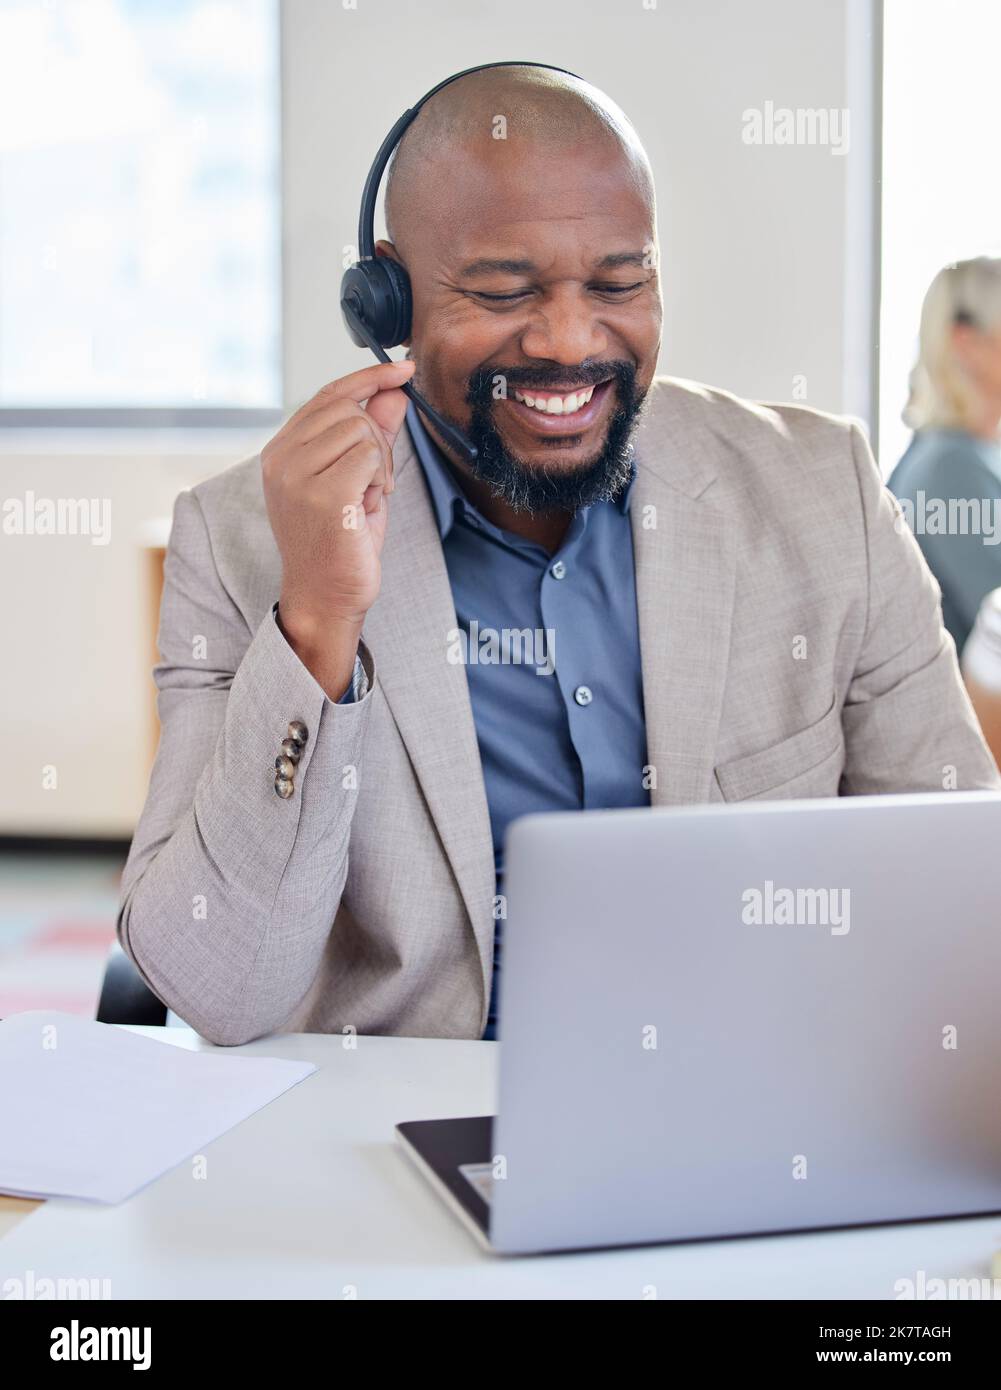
x=618 y=289
x=500 y=298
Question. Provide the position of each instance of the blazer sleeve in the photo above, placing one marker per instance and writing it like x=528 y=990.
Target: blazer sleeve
x=229 y=892
x=907 y=720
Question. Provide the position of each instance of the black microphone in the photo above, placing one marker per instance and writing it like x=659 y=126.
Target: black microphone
x=455 y=437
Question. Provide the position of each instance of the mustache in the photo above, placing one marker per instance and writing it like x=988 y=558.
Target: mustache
x=490 y=383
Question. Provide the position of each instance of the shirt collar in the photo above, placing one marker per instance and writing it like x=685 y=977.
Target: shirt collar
x=447 y=497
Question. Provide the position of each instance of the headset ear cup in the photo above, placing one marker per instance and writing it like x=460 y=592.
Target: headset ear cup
x=401 y=300
x=379 y=289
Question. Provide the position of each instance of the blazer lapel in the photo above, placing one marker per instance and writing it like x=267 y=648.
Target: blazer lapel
x=407 y=632
x=685 y=554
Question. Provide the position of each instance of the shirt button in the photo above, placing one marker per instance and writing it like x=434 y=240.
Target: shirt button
x=559 y=570
x=583 y=695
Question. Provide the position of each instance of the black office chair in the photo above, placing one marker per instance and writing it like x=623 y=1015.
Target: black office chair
x=125 y=996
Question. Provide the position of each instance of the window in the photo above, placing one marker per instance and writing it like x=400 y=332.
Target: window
x=140 y=237
x=941 y=194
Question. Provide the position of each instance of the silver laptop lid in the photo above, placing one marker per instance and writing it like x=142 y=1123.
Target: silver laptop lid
x=738 y=1019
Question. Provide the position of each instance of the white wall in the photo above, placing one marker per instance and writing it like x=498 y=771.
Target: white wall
x=941 y=200
x=766 y=262
x=76 y=692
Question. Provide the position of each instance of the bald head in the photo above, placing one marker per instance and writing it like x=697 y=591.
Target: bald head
x=503 y=114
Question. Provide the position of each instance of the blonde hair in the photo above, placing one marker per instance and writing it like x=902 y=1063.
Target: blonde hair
x=941 y=394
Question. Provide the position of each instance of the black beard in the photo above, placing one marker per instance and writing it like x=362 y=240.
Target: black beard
x=526 y=488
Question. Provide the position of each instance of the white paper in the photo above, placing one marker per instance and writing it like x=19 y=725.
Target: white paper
x=92 y=1111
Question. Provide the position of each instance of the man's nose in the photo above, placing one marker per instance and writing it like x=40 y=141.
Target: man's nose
x=564 y=328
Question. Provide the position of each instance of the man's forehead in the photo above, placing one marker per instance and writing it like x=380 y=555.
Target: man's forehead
x=598 y=236
x=558 y=186
x=529 y=168
x=571 y=211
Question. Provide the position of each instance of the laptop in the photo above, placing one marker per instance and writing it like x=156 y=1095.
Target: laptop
x=738 y=1020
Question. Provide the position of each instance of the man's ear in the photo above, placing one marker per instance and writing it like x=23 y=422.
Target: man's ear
x=387 y=249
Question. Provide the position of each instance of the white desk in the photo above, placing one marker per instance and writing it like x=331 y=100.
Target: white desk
x=311 y=1198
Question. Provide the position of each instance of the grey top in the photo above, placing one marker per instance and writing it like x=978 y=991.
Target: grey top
x=949 y=483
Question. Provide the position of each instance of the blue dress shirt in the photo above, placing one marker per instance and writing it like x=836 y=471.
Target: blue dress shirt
x=558 y=710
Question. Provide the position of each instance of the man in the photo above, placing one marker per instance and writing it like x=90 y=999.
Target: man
x=643 y=592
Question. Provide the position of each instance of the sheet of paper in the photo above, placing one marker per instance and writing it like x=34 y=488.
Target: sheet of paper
x=95 y=1112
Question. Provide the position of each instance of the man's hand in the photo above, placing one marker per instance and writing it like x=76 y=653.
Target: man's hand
x=327 y=474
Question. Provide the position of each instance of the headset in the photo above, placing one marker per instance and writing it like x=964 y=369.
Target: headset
x=376 y=299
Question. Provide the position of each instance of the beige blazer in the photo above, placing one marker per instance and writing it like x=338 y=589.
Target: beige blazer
x=792 y=646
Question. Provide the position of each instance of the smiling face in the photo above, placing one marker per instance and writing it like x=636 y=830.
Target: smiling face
x=537 y=310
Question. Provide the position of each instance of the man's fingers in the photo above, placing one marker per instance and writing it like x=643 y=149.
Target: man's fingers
x=361 y=385
x=334 y=424
x=328 y=447
x=383 y=415
x=347 y=388
x=388 y=410
x=373 y=498
x=321 y=421
x=365 y=464
x=342 y=427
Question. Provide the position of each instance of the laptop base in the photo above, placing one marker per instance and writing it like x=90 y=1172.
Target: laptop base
x=455 y=1156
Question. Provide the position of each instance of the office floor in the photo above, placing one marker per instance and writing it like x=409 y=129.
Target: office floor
x=57 y=922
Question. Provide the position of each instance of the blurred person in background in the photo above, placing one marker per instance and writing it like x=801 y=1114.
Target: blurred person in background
x=949 y=479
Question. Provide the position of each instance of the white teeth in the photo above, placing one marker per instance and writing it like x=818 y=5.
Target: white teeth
x=557 y=405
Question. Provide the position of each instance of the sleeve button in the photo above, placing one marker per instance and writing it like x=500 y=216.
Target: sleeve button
x=298 y=731
x=284 y=787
